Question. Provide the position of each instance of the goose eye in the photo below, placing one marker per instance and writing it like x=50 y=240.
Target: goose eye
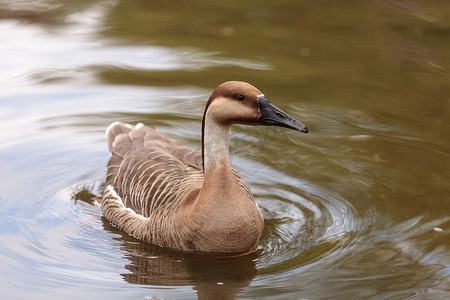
x=240 y=97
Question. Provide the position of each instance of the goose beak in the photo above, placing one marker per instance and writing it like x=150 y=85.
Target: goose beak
x=273 y=116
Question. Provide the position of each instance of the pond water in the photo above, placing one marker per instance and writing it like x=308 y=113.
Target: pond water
x=359 y=208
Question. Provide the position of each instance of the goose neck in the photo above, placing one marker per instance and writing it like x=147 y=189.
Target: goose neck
x=216 y=142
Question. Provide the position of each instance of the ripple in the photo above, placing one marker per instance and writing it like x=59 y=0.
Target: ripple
x=302 y=229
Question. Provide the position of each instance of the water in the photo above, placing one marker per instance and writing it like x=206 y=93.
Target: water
x=357 y=209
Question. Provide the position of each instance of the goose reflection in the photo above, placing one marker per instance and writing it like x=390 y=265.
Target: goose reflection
x=213 y=276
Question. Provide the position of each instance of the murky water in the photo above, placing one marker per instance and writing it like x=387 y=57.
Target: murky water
x=357 y=209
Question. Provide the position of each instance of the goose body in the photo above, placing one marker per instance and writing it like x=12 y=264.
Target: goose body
x=167 y=194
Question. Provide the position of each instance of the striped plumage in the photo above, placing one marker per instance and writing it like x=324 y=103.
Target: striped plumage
x=167 y=194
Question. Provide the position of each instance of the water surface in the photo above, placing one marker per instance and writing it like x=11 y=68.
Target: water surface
x=357 y=209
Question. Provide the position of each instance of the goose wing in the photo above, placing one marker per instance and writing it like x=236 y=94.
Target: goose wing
x=149 y=171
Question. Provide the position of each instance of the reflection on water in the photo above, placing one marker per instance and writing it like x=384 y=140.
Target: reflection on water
x=212 y=276
x=357 y=209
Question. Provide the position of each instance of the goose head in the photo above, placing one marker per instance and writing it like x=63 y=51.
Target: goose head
x=236 y=102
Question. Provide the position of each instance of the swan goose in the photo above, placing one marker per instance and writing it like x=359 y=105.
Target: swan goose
x=167 y=194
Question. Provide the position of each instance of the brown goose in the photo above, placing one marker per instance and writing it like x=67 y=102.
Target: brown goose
x=166 y=194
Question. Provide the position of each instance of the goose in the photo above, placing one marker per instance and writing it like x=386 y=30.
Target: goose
x=169 y=195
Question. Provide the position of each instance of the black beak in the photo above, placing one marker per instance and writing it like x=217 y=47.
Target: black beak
x=273 y=116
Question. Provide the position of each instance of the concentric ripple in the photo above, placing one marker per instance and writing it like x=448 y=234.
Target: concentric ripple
x=304 y=224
